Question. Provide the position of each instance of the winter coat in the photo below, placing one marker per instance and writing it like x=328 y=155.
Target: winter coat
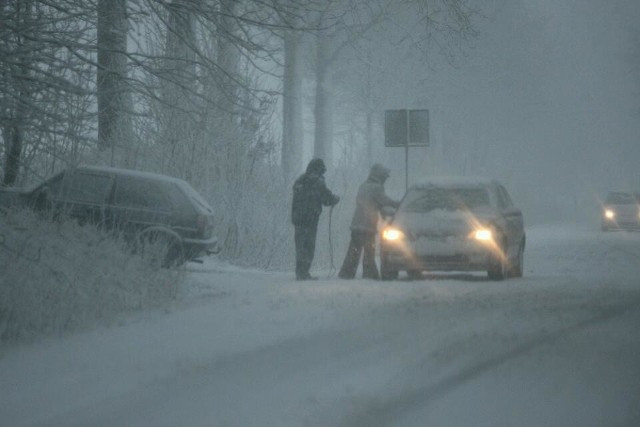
x=310 y=193
x=370 y=200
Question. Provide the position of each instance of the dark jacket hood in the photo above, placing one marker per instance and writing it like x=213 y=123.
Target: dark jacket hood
x=317 y=167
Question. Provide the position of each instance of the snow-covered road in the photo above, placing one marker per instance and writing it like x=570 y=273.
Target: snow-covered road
x=560 y=347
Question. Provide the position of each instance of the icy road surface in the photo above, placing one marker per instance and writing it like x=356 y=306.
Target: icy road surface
x=560 y=347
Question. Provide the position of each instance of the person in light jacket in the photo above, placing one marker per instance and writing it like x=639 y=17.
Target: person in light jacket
x=370 y=201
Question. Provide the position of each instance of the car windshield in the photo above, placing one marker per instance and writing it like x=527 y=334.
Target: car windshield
x=429 y=199
x=621 y=199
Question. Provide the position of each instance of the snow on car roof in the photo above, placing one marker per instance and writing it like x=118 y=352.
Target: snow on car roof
x=454 y=181
x=131 y=172
x=621 y=193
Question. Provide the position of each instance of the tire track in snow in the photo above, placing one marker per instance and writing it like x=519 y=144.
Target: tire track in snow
x=381 y=412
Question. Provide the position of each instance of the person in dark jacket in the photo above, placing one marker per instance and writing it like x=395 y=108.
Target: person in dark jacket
x=370 y=201
x=310 y=194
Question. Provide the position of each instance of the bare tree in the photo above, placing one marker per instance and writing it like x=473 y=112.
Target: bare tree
x=44 y=85
x=16 y=105
x=292 y=131
x=112 y=90
x=343 y=24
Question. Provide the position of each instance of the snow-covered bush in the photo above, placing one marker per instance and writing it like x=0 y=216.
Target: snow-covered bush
x=58 y=276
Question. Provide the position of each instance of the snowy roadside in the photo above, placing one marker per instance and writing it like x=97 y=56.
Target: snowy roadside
x=570 y=276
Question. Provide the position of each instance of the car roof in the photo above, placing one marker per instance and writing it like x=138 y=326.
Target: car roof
x=455 y=182
x=150 y=175
x=130 y=172
x=621 y=193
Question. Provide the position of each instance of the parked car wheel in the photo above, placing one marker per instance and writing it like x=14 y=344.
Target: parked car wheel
x=161 y=248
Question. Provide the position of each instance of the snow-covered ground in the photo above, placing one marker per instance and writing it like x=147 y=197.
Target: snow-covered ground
x=560 y=347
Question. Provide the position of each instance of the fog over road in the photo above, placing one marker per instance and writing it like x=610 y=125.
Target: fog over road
x=248 y=348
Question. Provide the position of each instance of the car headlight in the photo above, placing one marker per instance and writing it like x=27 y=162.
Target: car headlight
x=482 y=234
x=609 y=214
x=392 y=234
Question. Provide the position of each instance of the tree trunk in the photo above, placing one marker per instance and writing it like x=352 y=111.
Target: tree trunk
x=322 y=146
x=13 y=131
x=229 y=140
x=292 y=135
x=179 y=80
x=13 y=150
x=112 y=71
x=228 y=59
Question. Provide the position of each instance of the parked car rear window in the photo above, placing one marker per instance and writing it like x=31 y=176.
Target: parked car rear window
x=195 y=196
x=141 y=193
x=426 y=200
x=88 y=187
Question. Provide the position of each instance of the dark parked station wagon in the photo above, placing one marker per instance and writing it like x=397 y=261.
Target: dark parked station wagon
x=145 y=207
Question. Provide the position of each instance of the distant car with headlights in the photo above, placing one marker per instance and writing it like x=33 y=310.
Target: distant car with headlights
x=454 y=224
x=149 y=210
x=621 y=211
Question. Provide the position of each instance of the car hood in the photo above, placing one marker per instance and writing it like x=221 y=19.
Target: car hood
x=628 y=209
x=443 y=222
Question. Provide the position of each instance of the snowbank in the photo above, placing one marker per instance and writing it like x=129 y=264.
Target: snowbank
x=59 y=276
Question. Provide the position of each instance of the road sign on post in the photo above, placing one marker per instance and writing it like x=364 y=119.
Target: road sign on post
x=406 y=128
x=395 y=128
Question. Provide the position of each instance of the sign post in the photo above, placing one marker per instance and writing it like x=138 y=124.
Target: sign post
x=406 y=128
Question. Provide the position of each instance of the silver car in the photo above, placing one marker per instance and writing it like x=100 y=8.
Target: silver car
x=454 y=224
x=621 y=211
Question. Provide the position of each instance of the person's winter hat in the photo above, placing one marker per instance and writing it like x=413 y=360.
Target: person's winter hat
x=380 y=172
x=316 y=166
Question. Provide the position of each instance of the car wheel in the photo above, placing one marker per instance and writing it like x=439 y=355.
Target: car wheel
x=414 y=274
x=160 y=249
x=517 y=270
x=498 y=269
x=386 y=272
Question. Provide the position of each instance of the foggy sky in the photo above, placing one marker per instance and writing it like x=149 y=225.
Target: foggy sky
x=546 y=100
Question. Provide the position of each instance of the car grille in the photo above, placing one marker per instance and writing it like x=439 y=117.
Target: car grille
x=444 y=259
x=630 y=224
